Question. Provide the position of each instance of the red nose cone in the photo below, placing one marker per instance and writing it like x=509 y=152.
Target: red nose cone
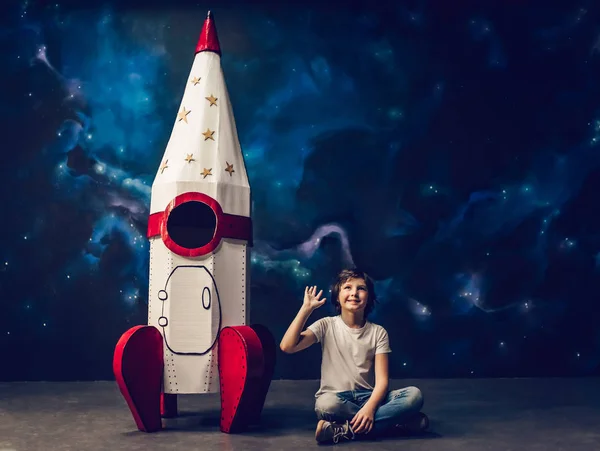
x=208 y=37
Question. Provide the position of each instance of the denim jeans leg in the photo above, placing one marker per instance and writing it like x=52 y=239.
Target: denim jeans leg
x=337 y=407
x=361 y=397
x=399 y=406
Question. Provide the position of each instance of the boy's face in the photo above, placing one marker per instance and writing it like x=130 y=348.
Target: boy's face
x=353 y=295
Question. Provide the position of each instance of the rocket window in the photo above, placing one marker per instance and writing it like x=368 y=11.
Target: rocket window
x=191 y=224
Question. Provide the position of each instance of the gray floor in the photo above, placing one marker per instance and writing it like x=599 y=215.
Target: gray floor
x=479 y=414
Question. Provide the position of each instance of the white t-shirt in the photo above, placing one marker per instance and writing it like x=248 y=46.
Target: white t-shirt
x=348 y=354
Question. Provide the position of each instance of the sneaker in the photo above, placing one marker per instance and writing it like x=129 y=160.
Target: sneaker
x=332 y=432
x=416 y=425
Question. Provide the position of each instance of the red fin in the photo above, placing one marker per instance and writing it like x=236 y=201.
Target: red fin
x=138 y=368
x=241 y=366
x=269 y=347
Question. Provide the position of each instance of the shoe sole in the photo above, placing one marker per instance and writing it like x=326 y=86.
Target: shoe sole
x=319 y=429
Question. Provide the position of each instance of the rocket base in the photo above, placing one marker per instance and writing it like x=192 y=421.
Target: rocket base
x=245 y=372
x=138 y=368
x=246 y=364
x=168 y=405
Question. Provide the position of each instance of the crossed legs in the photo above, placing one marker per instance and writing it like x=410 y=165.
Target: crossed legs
x=399 y=407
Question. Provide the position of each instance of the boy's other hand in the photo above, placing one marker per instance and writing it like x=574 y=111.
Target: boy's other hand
x=362 y=423
x=312 y=299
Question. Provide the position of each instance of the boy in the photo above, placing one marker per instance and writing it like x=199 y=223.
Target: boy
x=353 y=397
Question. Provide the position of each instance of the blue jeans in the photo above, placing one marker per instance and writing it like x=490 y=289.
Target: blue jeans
x=396 y=408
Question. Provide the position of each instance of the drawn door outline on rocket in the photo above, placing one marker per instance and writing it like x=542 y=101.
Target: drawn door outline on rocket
x=205 y=301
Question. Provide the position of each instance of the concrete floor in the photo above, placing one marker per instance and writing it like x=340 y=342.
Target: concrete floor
x=478 y=414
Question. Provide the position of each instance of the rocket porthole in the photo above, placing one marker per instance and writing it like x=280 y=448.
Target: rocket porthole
x=162 y=295
x=192 y=224
x=163 y=321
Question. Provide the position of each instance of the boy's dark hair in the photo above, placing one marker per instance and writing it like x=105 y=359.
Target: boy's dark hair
x=344 y=276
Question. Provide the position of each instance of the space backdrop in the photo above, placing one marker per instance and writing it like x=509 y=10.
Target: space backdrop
x=452 y=152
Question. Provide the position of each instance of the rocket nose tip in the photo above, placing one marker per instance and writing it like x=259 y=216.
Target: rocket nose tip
x=209 y=14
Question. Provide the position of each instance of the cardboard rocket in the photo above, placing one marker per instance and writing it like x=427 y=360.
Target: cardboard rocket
x=197 y=339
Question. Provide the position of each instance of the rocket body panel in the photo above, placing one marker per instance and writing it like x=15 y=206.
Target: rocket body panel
x=191 y=374
x=191 y=299
x=230 y=263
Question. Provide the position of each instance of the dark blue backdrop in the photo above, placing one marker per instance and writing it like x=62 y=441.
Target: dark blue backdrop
x=454 y=153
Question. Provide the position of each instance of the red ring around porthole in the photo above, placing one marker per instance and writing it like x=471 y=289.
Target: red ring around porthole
x=227 y=225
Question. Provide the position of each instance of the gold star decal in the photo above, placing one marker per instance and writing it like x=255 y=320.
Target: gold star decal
x=189 y=158
x=208 y=134
x=212 y=99
x=206 y=172
x=195 y=80
x=163 y=166
x=229 y=169
x=182 y=115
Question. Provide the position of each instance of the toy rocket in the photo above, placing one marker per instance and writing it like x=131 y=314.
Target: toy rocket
x=197 y=339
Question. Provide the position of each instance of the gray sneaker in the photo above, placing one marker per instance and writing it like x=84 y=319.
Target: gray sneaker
x=332 y=432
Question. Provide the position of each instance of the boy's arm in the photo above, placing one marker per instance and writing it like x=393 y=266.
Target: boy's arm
x=381 y=370
x=381 y=381
x=289 y=343
x=363 y=421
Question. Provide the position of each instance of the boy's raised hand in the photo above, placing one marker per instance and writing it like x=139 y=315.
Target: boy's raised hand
x=312 y=299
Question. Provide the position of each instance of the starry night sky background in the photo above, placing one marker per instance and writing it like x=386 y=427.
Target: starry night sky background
x=453 y=153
